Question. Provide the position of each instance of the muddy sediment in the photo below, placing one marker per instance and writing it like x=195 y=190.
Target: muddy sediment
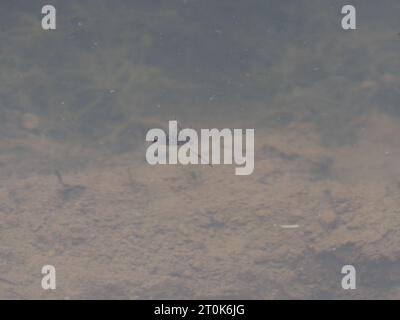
x=138 y=231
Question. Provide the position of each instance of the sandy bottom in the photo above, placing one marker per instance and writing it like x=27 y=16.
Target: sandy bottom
x=125 y=230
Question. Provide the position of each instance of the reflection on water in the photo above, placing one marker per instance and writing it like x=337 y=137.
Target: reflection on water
x=78 y=102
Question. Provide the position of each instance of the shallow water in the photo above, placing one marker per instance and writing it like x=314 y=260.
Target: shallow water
x=79 y=100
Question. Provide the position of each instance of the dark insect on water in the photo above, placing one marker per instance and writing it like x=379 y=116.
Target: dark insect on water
x=180 y=143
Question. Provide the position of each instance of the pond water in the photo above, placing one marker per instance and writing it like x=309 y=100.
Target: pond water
x=77 y=192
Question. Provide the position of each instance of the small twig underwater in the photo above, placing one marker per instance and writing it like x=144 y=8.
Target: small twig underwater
x=60 y=179
x=68 y=191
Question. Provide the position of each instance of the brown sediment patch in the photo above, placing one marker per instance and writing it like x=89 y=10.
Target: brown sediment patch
x=140 y=231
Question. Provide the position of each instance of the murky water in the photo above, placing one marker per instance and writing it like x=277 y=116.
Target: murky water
x=78 y=194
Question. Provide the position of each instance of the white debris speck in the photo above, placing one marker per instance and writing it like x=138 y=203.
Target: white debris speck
x=289 y=226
